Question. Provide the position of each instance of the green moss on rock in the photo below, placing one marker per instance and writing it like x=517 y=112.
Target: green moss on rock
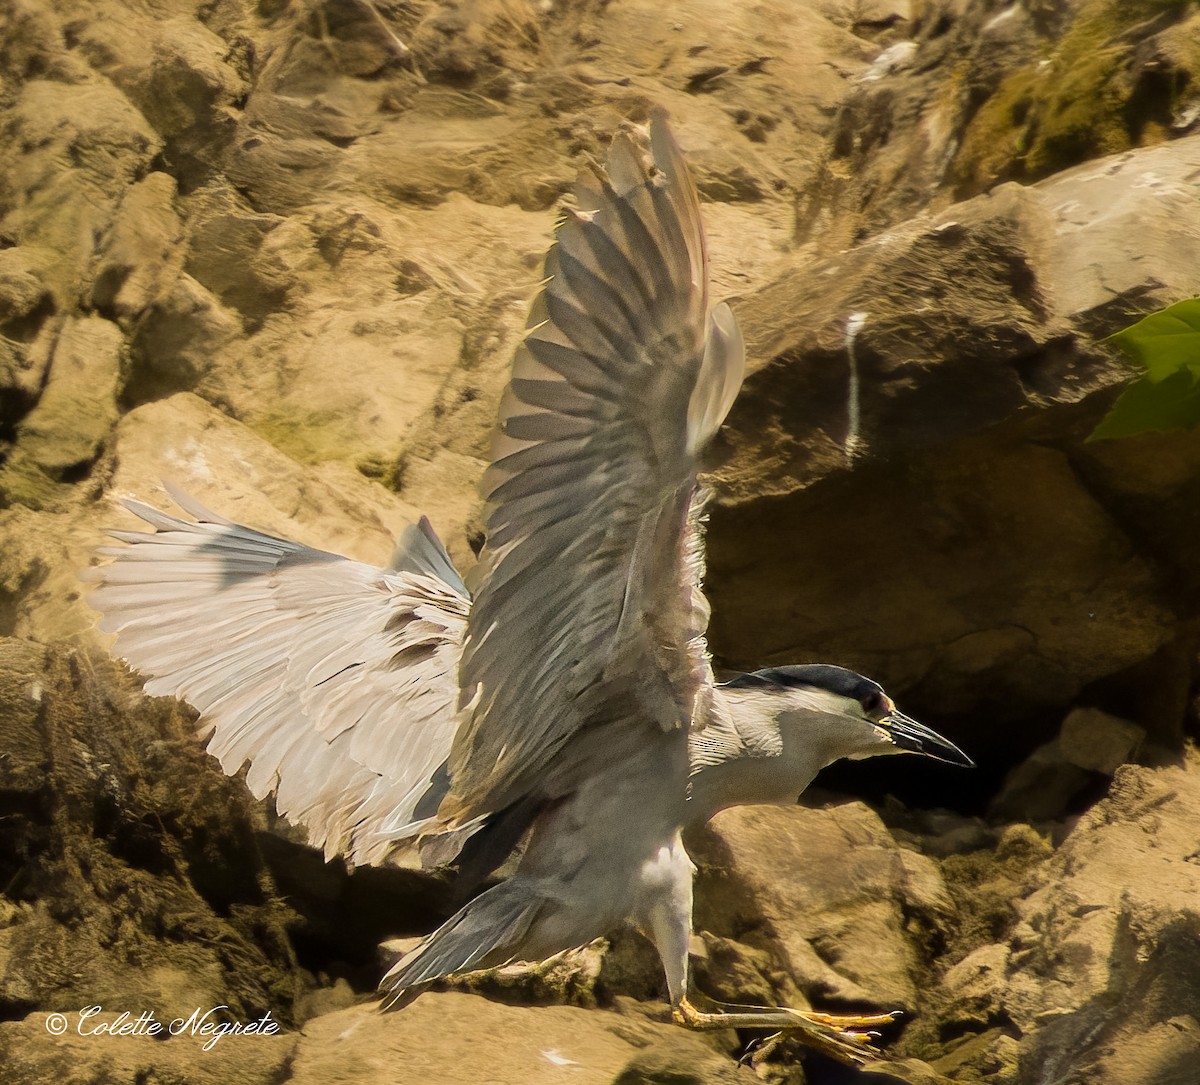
x=309 y=437
x=1080 y=102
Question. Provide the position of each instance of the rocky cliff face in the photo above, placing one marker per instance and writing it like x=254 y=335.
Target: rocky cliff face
x=279 y=253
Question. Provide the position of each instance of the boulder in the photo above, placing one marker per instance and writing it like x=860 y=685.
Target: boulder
x=1095 y=979
x=508 y=1045
x=1099 y=741
x=829 y=892
x=231 y=469
x=224 y=465
x=76 y=147
x=969 y=490
x=141 y=256
x=1091 y=743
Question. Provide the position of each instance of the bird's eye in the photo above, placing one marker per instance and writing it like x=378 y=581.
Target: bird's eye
x=874 y=704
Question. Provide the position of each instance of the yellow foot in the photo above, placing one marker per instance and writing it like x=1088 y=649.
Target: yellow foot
x=833 y=1035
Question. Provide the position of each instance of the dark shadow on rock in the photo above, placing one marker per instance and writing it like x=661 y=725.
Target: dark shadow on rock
x=342 y=916
x=129 y=869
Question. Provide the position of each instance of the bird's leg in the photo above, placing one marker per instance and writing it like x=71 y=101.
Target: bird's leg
x=667 y=919
x=849 y=1047
x=839 y=1021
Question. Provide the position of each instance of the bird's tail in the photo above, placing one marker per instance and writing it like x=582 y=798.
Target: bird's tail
x=487 y=932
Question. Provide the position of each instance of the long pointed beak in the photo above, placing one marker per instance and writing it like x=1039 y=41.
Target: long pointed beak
x=913 y=737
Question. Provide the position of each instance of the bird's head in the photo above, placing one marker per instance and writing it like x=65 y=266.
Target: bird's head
x=848 y=715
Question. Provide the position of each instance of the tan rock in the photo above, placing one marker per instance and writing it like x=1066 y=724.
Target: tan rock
x=187 y=79
x=898 y=562
x=399 y=299
x=173 y=343
x=1041 y=787
x=1099 y=741
x=143 y=253
x=828 y=889
x=23 y=289
x=221 y=463
x=231 y=469
x=74 y=414
x=1045 y=784
x=32 y=1054
x=1118 y=881
x=976 y=984
x=75 y=147
x=225 y=239
x=1097 y=977
x=890 y=583
x=1098 y=207
x=458 y=1038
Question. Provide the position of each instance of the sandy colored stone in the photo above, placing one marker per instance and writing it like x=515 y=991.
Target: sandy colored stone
x=827 y=889
x=142 y=254
x=22 y=690
x=83 y=1054
x=228 y=467
x=891 y=581
x=1123 y=878
x=174 y=340
x=75 y=147
x=184 y=78
x=975 y=343
x=1045 y=783
x=397 y=298
x=1098 y=973
x=1041 y=787
x=1098 y=740
x=77 y=407
x=74 y=414
x=458 y=1038
x=976 y=984
x=221 y=463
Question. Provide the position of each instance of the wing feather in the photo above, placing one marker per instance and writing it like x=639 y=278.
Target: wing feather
x=570 y=364
x=335 y=680
x=589 y=569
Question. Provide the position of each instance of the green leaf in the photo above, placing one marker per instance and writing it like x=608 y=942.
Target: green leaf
x=1165 y=342
x=1147 y=405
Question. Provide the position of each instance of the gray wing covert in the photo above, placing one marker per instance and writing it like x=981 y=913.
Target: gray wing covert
x=591 y=567
x=335 y=680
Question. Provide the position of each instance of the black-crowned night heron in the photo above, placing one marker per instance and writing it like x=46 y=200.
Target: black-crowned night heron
x=566 y=698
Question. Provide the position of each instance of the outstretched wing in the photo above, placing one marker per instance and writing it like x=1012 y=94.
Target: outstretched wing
x=335 y=680
x=588 y=587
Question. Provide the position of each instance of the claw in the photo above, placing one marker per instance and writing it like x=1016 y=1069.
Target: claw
x=760 y=1050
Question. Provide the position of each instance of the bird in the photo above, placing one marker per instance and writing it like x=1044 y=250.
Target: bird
x=558 y=702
